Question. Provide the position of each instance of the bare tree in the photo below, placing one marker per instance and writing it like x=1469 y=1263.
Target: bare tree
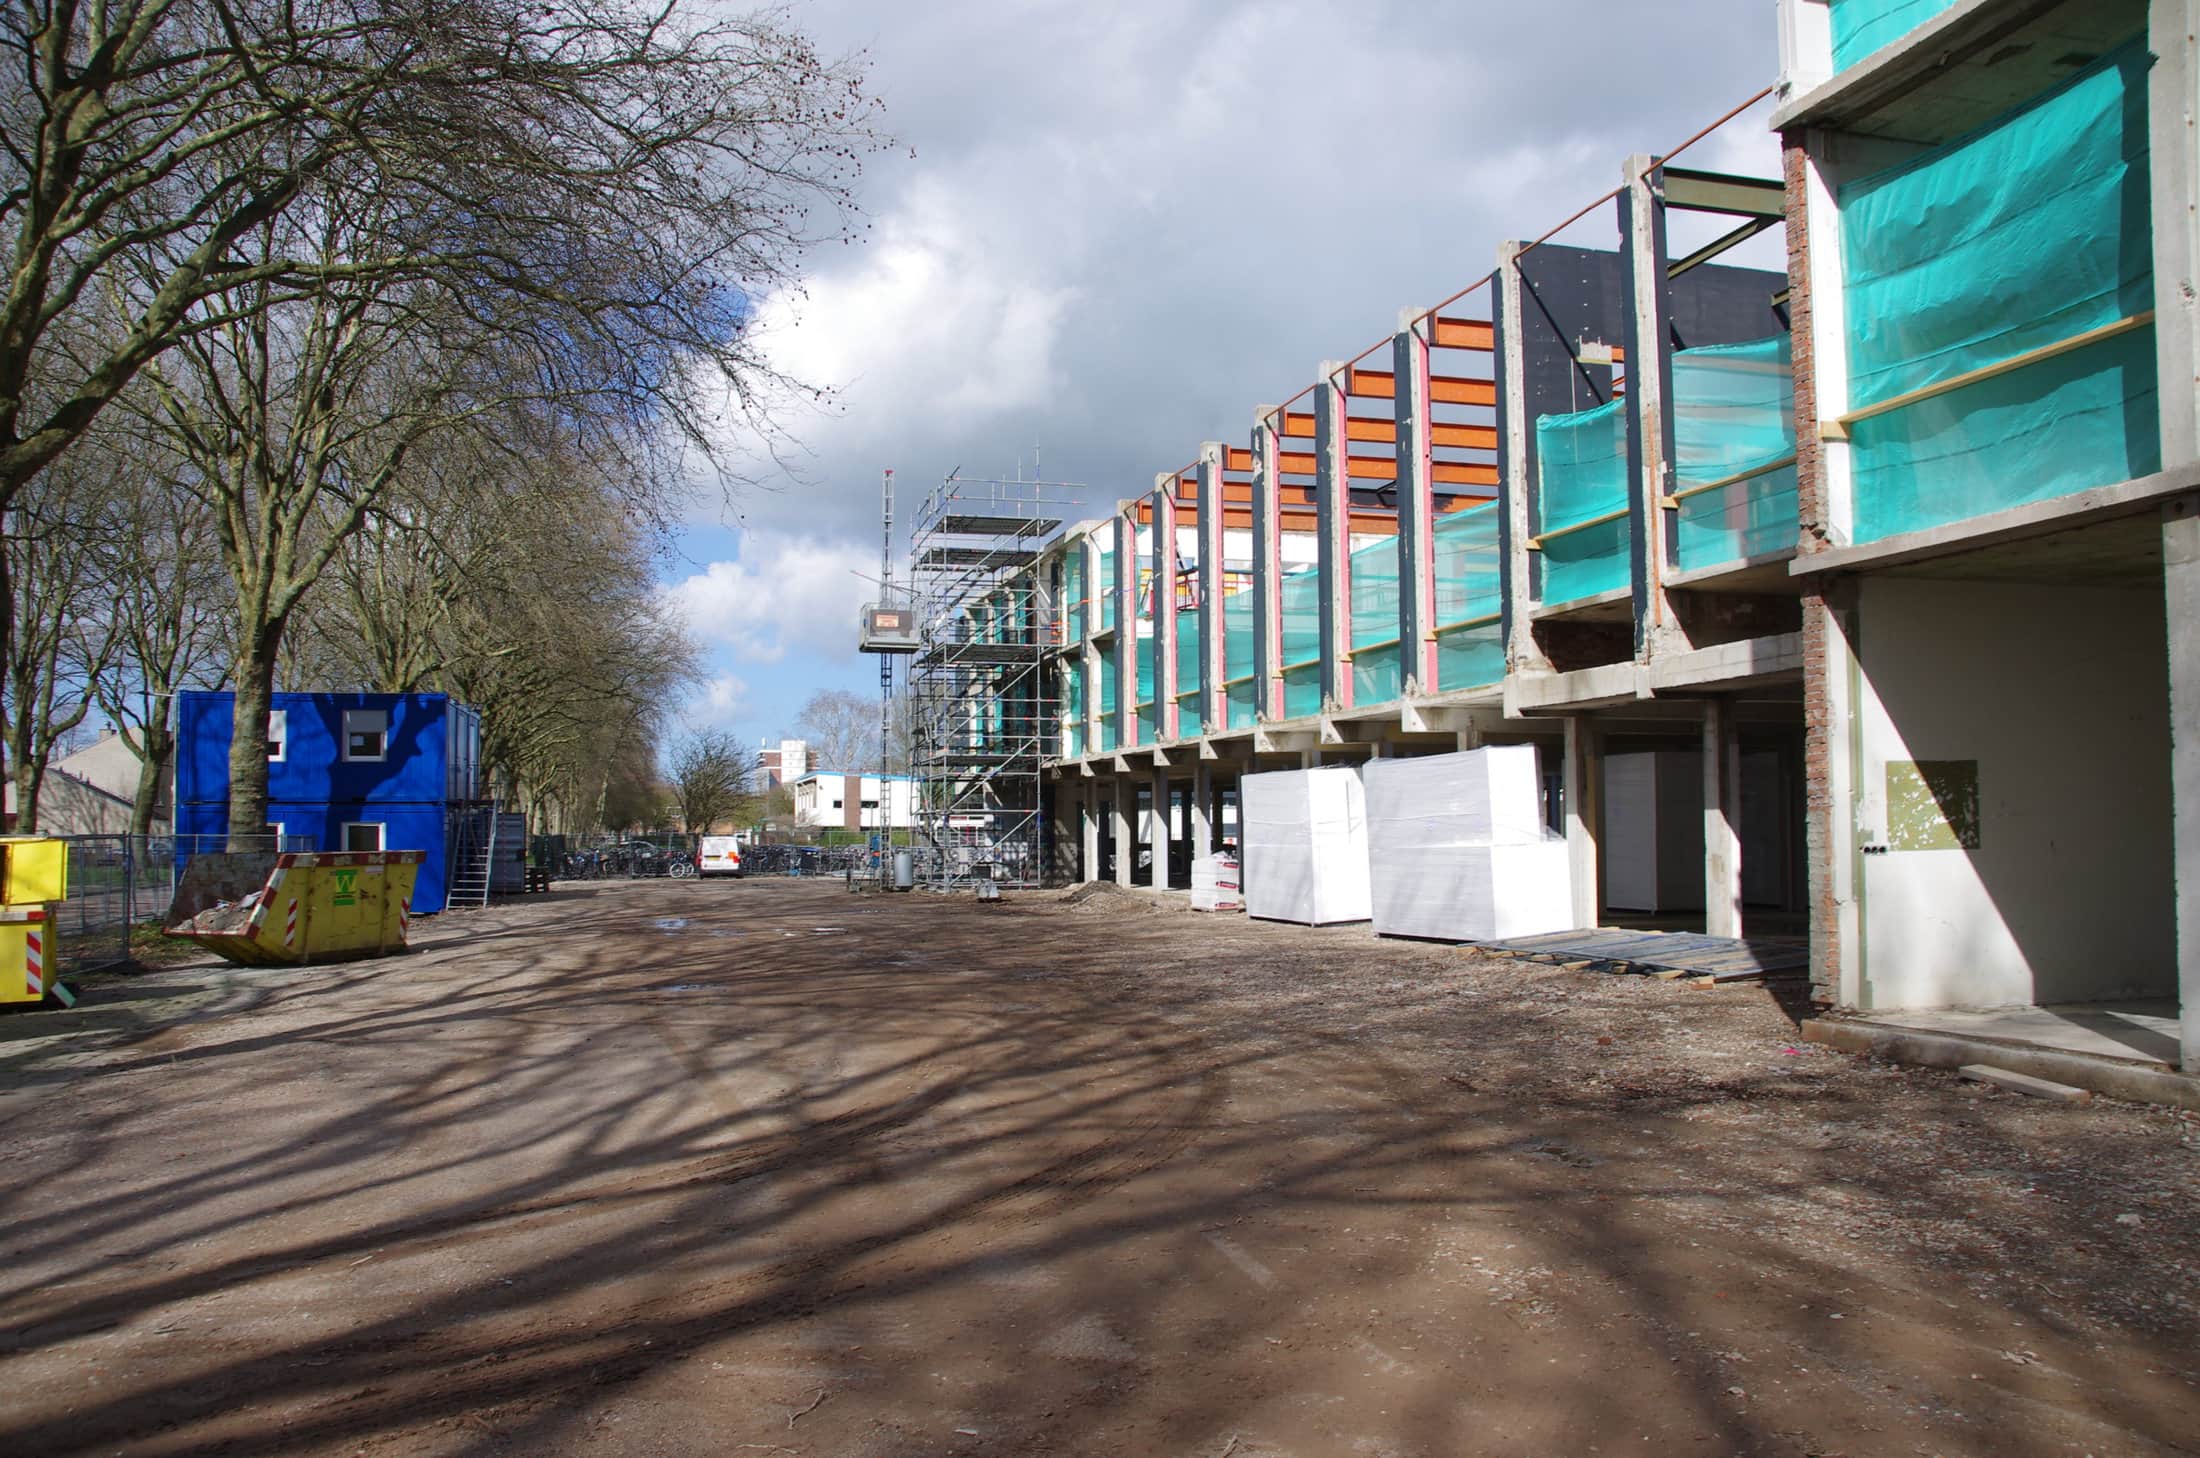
x=68 y=639
x=578 y=201
x=842 y=729
x=709 y=773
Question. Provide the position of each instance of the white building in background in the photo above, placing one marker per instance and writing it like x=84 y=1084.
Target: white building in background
x=832 y=800
x=785 y=763
x=90 y=791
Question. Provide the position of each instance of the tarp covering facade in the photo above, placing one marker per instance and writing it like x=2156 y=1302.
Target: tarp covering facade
x=2021 y=236
x=1581 y=463
x=1734 y=422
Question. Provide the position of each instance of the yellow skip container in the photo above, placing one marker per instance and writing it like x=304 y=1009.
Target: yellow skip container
x=308 y=907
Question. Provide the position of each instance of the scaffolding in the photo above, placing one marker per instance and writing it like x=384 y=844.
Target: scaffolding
x=982 y=704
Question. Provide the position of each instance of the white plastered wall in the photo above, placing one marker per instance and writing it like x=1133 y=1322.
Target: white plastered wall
x=2059 y=696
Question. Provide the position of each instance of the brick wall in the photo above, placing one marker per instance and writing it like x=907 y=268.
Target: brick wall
x=1819 y=730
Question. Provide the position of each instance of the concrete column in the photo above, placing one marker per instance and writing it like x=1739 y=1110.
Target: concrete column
x=1333 y=550
x=1649 y=418
x=1584 y=815
x=1164 y=607
x=1267 y=565
x=1203 y=810
x=1416 y=505
x=2174 y=160
x=1516 y=432
x=1722 y=821
x=1125 y=799
x=1214 y=698
x=1088 y=831
x=2181 y=602
x=1157 y=830
x=1126 y=631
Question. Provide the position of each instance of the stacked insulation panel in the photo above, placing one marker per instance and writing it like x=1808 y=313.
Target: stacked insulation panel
x=1458 y=851
x=1305 y=841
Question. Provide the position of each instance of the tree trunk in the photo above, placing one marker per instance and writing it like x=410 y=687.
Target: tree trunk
x=253 y=680
x=30 y=777
x=157 y=745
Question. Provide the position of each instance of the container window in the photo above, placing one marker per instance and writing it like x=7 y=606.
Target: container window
x=366 y=732
x=363 y=835
x=278 y=734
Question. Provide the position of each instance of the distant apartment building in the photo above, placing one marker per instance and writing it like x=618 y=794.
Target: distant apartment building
x=785 y=763
x=831 y=800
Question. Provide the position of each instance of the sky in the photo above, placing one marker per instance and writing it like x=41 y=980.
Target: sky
x=1105 y=233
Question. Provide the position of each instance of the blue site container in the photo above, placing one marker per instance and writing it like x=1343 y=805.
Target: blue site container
x=353 y=771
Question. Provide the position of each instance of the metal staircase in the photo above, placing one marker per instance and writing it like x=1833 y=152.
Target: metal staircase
x=473 y=853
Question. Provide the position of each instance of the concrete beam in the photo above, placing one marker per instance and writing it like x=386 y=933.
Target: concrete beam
x=2034 y=519
x=1285 y=741
x=1583 y=688
x=1728 y=665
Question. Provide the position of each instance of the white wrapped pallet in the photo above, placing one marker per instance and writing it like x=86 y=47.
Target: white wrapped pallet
x=1305 y=841
x=1491 y=796
x=1457 y=850
x=1217 y=884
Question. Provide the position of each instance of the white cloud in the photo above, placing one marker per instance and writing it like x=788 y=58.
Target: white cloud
x=780 y=597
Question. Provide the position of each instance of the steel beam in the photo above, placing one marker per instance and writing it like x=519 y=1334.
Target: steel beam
x=1164 y=607
x=1415 y=434
x=1214 y=658
x=1267 y=565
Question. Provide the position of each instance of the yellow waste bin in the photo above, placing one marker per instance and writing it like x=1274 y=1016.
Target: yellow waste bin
x=34 y=871
x=311 y=907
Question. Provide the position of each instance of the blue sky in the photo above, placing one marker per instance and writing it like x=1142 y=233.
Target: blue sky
x=1110 y=231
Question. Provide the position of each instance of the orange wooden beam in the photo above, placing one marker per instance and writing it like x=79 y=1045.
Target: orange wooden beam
x=1462 y=334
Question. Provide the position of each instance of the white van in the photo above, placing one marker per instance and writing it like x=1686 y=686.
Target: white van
x=719 y=855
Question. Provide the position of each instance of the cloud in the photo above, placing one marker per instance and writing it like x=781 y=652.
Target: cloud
x=779 y=597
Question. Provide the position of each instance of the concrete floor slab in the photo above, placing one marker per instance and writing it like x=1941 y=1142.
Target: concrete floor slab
x=2141 y=1031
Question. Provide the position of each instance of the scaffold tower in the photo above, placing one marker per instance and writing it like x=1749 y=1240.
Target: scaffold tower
x=982 y=712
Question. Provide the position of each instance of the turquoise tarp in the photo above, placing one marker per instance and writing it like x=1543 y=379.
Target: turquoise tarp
x=1376 y=662
x=1581 y=464
x=2023 y=234
x=1734 y=412
x=1863 y=26
x=1470 y=648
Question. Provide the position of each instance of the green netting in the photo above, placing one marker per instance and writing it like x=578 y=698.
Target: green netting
x=1109 y=682
x=1144 y=701
x=1105 y=588
x=2024 y=234
x=1189 y=666
x=1237 y=648
x=1073 y=707
x=1581 y=461
x=1073 y=595
x=1863 y=26
x=1377 y=666
x=1302 y=642
x=1734 y=415
x=1469 y=598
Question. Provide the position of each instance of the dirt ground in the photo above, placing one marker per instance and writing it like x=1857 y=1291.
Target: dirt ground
x=666 y=1169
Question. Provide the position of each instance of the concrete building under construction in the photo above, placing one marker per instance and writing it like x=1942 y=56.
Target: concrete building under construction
x=1857 y=601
